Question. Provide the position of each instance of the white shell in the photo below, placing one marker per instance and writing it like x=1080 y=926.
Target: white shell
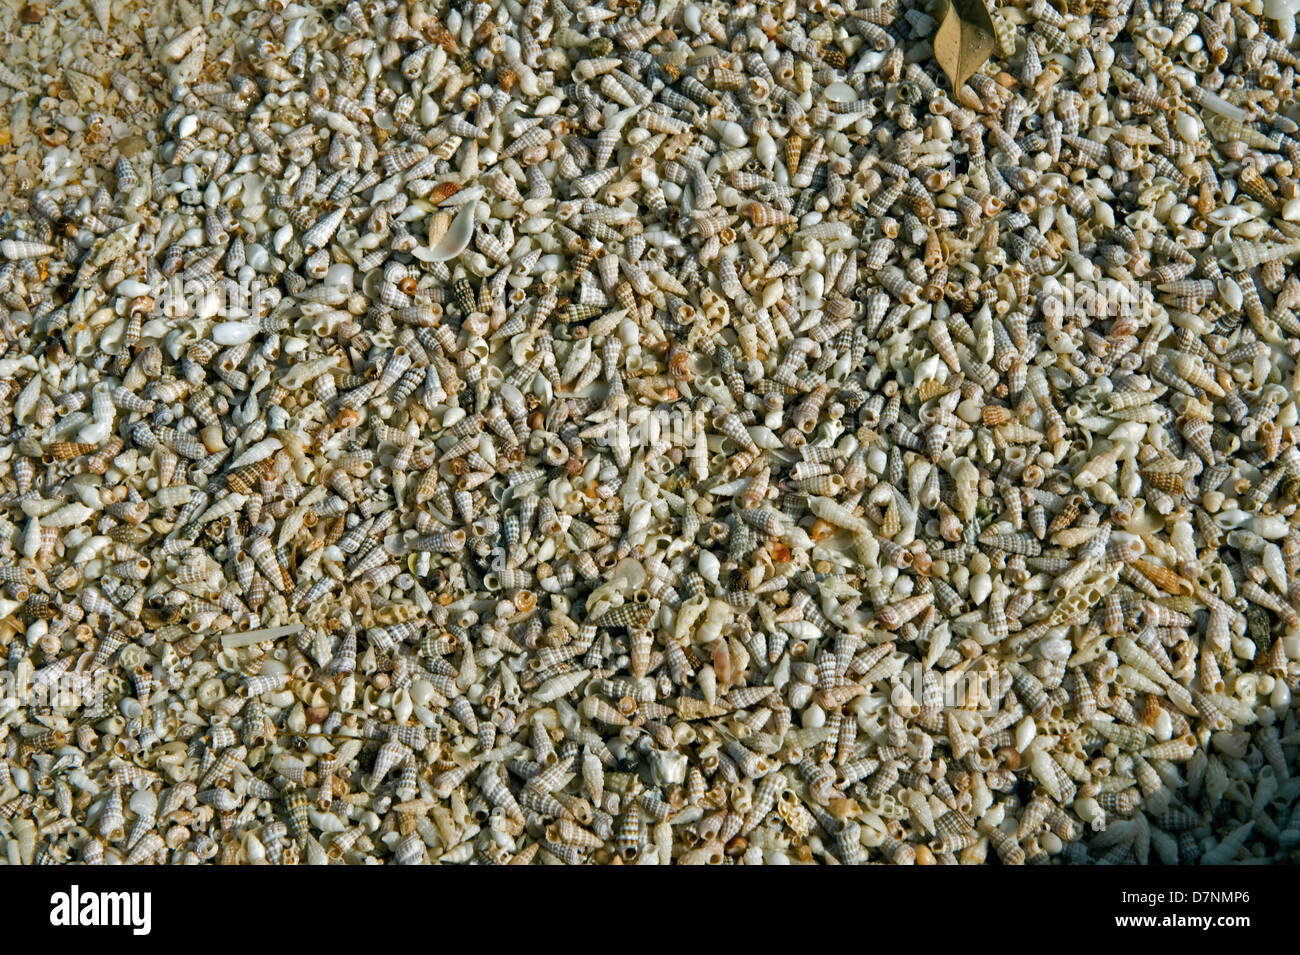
x=233 y=333
x=840 y=93
x=457 y=238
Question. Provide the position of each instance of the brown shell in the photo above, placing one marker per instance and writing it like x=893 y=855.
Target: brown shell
x=993 y=415
x=64 y=450
x=1164 y=578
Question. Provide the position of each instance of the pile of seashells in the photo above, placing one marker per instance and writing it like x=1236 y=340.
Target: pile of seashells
x=650 y=432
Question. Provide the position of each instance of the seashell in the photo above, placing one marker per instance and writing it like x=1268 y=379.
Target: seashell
x=233 y=333
x=895 y=615
x=457 y=237
x=14 y=249
x=1241 y=256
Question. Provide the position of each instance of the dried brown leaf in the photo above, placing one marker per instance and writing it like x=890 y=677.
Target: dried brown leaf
x=964 y=40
